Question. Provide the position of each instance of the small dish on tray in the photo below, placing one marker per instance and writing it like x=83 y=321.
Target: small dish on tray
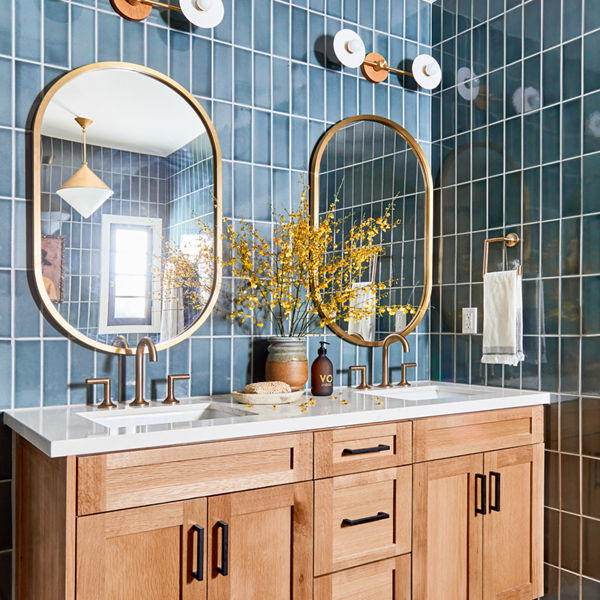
x=276 y=398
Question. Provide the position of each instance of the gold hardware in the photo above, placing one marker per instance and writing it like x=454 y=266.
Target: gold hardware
x=404 y=381
x=314 y=190
x=49 y=308
x=375 y=68
x=170 y=399
x=105 y=381
x=362 y=369
x=145 y=342
x=120 y=341
x=389 y=340
x=511 y=240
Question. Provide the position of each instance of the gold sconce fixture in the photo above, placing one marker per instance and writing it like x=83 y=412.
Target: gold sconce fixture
x=84 y=191
x=201 y=13
x=350 y=51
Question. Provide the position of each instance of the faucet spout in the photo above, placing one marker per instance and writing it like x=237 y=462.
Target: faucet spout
x=143 y=344
x=385 y=361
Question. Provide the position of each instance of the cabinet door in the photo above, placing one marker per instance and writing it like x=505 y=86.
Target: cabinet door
x=261 y=544
x=384 y=580
x=447 y=531
x=150 y=553
x=513 y=528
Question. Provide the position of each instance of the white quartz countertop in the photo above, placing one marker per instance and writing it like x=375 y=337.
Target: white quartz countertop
x=83 y=429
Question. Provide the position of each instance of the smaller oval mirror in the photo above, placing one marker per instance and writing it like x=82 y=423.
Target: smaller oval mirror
x=127 y=214
x=368 y=167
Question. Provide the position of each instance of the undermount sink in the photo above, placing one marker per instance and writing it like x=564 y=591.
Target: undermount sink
x=184 y=415
x=423 y=392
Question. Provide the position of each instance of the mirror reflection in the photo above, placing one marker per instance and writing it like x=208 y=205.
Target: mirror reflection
x=368 y=169
x=127 y=180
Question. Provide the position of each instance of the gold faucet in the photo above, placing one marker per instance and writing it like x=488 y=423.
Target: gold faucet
x=145 y=342
x=389 y=340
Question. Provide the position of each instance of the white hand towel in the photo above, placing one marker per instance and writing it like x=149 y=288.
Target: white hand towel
x=364 y=300
x=502 y=318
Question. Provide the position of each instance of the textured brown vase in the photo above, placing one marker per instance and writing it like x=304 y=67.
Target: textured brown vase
x=287 y=361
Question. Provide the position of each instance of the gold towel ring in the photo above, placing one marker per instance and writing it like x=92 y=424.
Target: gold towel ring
x=511 y=240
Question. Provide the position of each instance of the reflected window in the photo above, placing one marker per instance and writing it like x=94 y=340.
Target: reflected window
x=130 y=282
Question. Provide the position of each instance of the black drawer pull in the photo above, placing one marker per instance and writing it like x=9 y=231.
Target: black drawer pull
x=496 y=505
x=380 y=516
x=380 y=448
x=482 y=496
x=198 y=574
x=224 y=567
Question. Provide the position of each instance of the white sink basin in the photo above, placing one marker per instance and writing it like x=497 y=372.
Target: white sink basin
x=423 y=392
x=183 y=415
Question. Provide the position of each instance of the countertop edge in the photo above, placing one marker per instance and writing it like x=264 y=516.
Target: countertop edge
x=270 y=426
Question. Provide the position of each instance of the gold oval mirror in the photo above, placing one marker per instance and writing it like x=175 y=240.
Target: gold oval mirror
x=366 y=167
x=126 y=207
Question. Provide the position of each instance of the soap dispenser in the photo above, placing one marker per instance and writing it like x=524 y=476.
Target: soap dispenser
x=321 y=372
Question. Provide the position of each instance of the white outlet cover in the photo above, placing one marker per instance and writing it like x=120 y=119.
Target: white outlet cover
x=469 y=320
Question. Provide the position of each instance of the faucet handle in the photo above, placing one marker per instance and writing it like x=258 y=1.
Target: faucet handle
x=404 y=382
x=105 y=381
x=363 y=376
x=170 y=399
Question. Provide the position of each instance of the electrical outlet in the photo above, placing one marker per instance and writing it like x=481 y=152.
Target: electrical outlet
x=469 y=320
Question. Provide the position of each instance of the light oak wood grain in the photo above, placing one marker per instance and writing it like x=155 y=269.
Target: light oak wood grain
x=330 y=459
x=447 y=534
x=384 y=580
x=358 y=496
x=45 y=524
x=146 y=552
x=513 y=537
x=456 y=435
x=270 y=544
x=143 y=477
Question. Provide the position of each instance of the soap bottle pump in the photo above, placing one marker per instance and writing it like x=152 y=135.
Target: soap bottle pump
x=321 y=372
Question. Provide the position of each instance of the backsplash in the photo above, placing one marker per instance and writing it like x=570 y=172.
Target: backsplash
x=516 y=149
x=260 y=76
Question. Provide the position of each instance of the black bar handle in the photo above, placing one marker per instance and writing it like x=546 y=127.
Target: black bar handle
x=380 y=448
x=378 y=517
x=483 y=494
x=198 y=574
x=224 y=567
x=496 y=505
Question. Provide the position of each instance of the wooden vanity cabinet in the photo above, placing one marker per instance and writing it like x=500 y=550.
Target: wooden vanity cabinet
x=393 y=511
x=478 y=519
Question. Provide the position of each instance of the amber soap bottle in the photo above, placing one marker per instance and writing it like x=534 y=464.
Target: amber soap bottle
x=321 y=374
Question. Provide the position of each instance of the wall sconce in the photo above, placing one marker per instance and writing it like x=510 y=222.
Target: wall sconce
x=84 y=191
x=350 y=51
x=201 y=13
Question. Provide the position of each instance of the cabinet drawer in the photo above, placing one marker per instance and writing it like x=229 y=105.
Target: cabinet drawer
x=362 y=518
x=469 y=433
x=356 y=449
x=141 y=477
x=384 y=580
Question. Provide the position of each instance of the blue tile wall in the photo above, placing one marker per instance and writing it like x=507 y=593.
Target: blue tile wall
x=260 y=76
x=524 y=156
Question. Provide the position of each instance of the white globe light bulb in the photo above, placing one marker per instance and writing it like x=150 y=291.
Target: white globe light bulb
x=205 y=4
x=354 y=45
x=432 y=69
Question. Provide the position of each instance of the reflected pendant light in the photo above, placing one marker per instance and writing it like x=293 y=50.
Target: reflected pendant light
x=84 y=191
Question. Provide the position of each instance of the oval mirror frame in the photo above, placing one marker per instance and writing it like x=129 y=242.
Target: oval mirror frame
x=314 y=194
x=47 y=307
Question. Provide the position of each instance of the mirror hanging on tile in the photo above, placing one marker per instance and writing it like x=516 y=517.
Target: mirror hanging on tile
x=131 y=191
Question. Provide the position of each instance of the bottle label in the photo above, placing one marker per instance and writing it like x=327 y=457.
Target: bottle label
x=326 y=378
